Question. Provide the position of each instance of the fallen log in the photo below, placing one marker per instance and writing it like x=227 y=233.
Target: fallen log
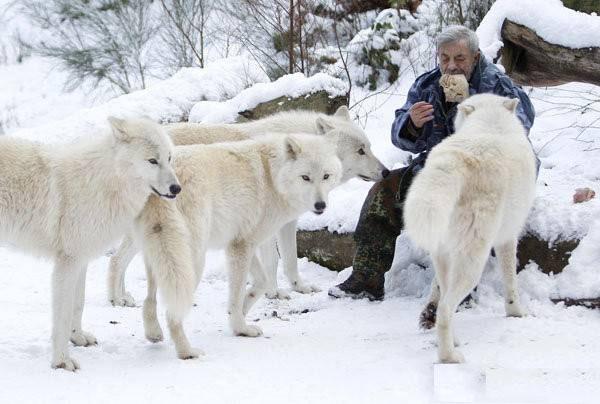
x=593 y=303
x=532 y=61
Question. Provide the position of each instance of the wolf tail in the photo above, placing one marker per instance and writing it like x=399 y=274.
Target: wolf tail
x=168 y=257
x=431 y=200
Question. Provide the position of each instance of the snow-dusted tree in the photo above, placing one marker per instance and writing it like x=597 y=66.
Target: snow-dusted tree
x=468 y=13
x=184 y=32
x=280 y=33
x=96 y=40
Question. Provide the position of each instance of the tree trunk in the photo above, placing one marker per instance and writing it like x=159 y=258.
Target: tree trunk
x=291 y=38
x=530 y=60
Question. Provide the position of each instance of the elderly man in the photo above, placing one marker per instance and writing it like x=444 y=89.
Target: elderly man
x=425 y=119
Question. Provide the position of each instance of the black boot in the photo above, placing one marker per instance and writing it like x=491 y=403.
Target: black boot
x=360 y=286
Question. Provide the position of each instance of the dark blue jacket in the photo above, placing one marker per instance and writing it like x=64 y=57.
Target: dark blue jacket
x=486 y=78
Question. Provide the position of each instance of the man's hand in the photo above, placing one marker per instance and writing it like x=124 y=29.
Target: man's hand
x=420 y=113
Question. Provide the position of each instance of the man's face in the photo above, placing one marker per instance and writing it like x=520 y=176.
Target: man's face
x=456 y=58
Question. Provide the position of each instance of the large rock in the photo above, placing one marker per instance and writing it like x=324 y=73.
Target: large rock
x=336 y=251
x=319 y=101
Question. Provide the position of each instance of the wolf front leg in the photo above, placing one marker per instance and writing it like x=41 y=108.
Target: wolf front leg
x=239 y=256
x=286 y=240
x=117 y=295
x=78 y=336
x=269 y=259
x=65 y=278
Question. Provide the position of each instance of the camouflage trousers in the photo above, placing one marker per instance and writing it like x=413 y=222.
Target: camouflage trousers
x=379 y=225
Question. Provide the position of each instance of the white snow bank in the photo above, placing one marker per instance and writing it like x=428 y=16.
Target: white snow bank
x=548 y=18
x=167 y=101
x=291 y=85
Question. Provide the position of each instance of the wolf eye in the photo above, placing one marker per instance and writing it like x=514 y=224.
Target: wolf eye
x=152 y=161
x=361 y=151
x=306 y=178
x=169 y=159
x=326 y=176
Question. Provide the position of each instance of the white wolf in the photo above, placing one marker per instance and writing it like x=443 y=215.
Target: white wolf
x=69 y=203
x=474 y=193
x=235 y=196
x=352 y=146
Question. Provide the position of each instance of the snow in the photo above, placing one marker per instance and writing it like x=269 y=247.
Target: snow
x=548 y=18
x=316 y=348
x=290 y=85
x=166 y=101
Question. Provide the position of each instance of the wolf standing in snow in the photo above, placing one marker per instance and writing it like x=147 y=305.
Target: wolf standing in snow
x=352 y=147
x=235 y=196
x=71 y=203
x=473 y=194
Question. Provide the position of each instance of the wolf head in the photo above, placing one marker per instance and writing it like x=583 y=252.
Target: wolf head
x=145 y=151
x=353 y=147
x=493 y=105
x=309 y=169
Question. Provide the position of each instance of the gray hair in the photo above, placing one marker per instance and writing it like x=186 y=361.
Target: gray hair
x=454 y=33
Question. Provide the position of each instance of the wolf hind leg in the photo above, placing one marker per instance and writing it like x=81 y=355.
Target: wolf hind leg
x=117 y=295
x=239 y=258
x=464 y=271
x=507 y=257
x=78 y=336
x=259 y=281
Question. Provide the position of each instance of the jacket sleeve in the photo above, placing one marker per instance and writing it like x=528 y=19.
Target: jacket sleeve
x=525 y=111
x=402 y=137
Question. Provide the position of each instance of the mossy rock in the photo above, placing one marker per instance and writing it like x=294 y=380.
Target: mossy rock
x=319 y=101
x=586 y=6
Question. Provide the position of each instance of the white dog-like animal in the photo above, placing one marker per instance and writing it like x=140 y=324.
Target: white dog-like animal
x=353 y=149
x=70 y=202
x=235 y=196
x=474 y=193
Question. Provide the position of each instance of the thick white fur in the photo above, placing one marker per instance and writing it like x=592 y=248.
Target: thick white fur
x=474 y=193
x=349 y=141
x=70 y=202
x=235 y=196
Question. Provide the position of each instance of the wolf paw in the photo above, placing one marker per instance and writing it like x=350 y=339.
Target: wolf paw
x=513 y=310
x=305 y=288
x=248 y=331
x=67 y=364
x=155 y=335
x=82 y=338
x=278 y=294
x=192 y=353
x=124 y=300
x=452 y=357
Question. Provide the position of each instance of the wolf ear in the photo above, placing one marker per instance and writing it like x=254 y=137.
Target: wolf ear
x=292 y=148
x=118 y=129
x=466 y=108
x=343 y=112
x=511 y=104
x=323 y=126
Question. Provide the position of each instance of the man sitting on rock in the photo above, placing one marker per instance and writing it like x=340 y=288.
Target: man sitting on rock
x=425 y=119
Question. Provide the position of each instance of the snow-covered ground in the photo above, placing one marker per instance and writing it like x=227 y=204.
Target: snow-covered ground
x=315 y=348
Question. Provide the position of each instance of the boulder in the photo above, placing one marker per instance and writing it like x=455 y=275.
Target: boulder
x=319 y=101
